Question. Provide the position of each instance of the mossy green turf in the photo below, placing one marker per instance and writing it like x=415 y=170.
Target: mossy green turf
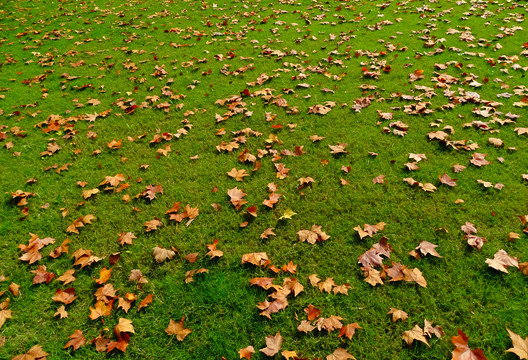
x=220 y=307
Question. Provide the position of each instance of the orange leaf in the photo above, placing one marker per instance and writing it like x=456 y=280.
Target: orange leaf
x=145 y=302
x=77 y=340
x=462 y=350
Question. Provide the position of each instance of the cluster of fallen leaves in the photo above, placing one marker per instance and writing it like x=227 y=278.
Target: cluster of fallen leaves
x=257 y=151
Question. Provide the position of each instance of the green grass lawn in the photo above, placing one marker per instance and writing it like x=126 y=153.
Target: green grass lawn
x=176 y=94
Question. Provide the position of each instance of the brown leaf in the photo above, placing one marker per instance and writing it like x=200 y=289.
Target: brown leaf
x=312 y=236
x=237 y=196
x=137 y=276
x=35 y=353
x=273 y=344
x=178 y=329
x=146 y=301
x=14 y=289
x=373 y=276
x=380 y=179
x=152 y=225
x=340 y=354
x=415 y=334
x=462 y=350
x=520 y=345
x=305 y=326
x=312 y=312
x=349 y=330
x=501 y=260
x=61 y=311
x=445 y=179
x=329 y=324
x=89 y=193
x=67 y=296
x=326 y=286
x=67 y=277
x=126 y=238
x=287 y=354
x=398 y=314
x=246 y=352
x=268 y=232
x=431 y=330
x=469 y=228
x=213 y=251
x=77 y=340
x=4 y=315
x=479 y=159
x=426 y=247
x=238 y=175
x=414 y=275
x=338 y=149
x=41 y=275
x=161 y=254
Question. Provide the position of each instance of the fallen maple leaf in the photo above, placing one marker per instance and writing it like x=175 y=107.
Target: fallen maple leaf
x=305 y=326
x=238 y=175
x=4 y=315
x=246 y=352
x=520 y=345
x=312 y=236
x=340 y=354
x=161 y=254
x=414 y=275
x=415 y=333
x=237 y=196
x=479 y=159
x=267 y=232
x=349 y=330
x=273 y=344
x=66 y=297
x=398 y=314
x=329 y=324
x=104 y=276
x=258 y=259
x=312 y=312
x=146 y=301
x=76 y=340
x=61 y=311
x=41 y=275
x=288 y=213
x=445 y=179
x=178 y=329
x=462 y=350
x=35 y=353
x=287 y=354
x=501 y=260
x=373 y=276
x=126 y=238
x=67 y=277
x=114 y=144
x=121 y=331
x=425 y=248
x=152 y=225
x=338 y=149
x=431 y=330
x=380 y=179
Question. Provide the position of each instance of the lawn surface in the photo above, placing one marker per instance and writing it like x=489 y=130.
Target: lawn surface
x=119 y=124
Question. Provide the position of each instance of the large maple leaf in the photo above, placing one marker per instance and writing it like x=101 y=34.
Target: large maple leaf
x=462 y=350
